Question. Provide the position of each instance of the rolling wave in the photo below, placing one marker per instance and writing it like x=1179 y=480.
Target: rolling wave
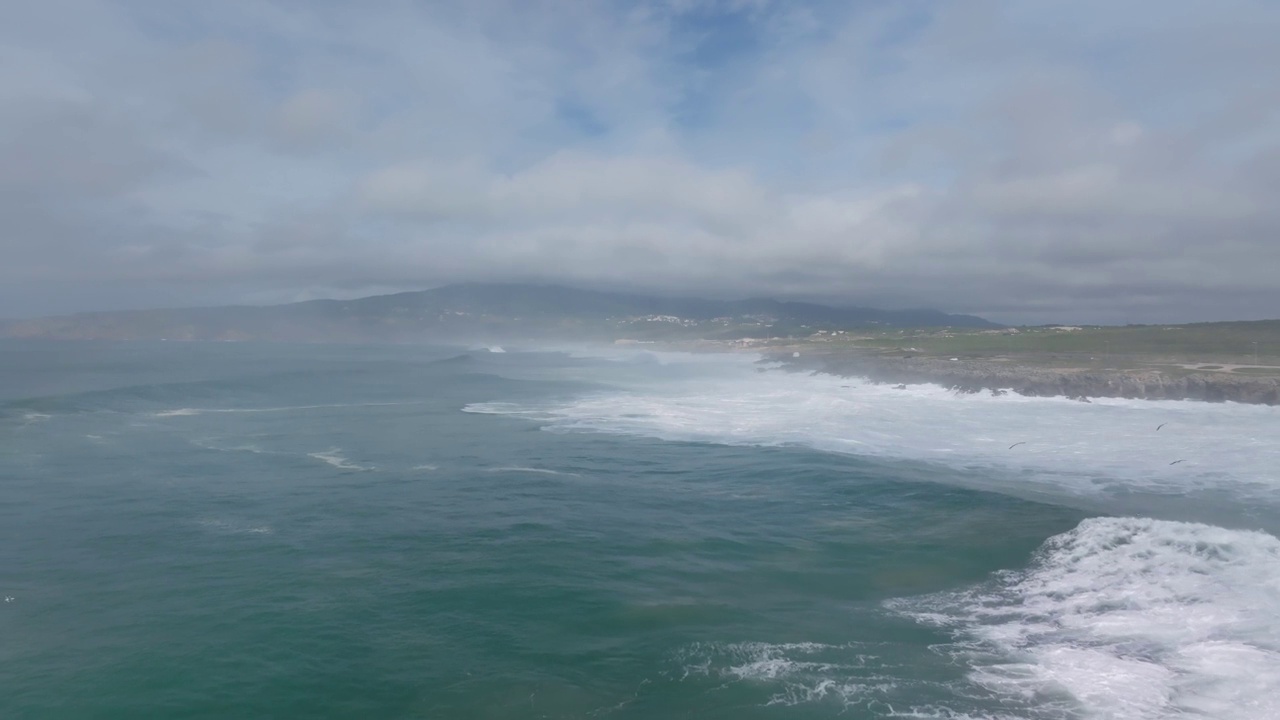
x=186 y=412
x=1132 y=618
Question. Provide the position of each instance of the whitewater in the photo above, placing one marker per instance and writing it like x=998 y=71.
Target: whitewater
x=239 y=530
x=1122 y=617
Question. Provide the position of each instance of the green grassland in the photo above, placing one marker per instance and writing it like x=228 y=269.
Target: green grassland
x=1211 y=347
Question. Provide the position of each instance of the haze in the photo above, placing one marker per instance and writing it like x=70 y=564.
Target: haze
x=1026 y=162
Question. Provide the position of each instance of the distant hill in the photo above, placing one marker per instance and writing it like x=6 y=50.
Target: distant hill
x=485 y=311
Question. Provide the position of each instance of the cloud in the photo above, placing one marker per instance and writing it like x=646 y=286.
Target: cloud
x=1073 y=161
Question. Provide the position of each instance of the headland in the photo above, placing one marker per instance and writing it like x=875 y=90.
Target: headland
x=1216 y=362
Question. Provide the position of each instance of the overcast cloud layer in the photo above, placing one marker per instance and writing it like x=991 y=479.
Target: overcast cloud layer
x=1065 y=160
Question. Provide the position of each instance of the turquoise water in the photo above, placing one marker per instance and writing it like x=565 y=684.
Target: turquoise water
x=253 y=531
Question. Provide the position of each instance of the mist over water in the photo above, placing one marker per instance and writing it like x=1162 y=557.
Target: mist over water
x=240 y=530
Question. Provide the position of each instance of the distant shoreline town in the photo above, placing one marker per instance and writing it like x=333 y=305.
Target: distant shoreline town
x=1228 y=361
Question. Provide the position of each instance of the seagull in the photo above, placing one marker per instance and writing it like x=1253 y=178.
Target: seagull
x=1160 y=426
x=1024 y=442
x=1175 y=462
x=8 y=599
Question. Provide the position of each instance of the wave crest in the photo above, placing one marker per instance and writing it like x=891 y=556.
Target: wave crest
x=1128 y=618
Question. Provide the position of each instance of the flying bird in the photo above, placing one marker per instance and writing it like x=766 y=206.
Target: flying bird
x=1160 y=426
x=1175 y=462
x=1024 y=442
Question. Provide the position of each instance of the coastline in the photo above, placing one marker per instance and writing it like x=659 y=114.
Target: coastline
x=974 y=375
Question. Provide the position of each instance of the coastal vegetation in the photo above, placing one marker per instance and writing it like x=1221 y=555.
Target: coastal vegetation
x=1234 y=342
x=534 y=314
x=1251 y=348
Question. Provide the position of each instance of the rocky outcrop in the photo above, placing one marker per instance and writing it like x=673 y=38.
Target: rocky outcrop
x=972 y=376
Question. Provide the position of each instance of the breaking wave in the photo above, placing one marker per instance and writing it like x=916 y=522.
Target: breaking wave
x=1038 y=445
x=1127 y=618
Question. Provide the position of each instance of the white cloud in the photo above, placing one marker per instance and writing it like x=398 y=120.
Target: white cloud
x=1075 y=161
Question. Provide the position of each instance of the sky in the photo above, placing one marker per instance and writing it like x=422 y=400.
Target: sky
x=1054 y=161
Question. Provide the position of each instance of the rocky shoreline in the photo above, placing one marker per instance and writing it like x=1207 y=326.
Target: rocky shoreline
x=986 y=375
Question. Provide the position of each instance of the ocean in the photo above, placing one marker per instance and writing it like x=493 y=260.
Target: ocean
x=219 y=530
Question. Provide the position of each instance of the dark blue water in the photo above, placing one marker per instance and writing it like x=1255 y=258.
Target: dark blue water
x=255 y=531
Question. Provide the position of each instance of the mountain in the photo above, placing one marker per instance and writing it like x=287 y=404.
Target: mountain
x=485 y=311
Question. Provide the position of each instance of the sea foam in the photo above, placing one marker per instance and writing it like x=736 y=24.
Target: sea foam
x=796 y=673
x=335 y=458
x=1128 y=618
x=1063 y=447
x=534 y=470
